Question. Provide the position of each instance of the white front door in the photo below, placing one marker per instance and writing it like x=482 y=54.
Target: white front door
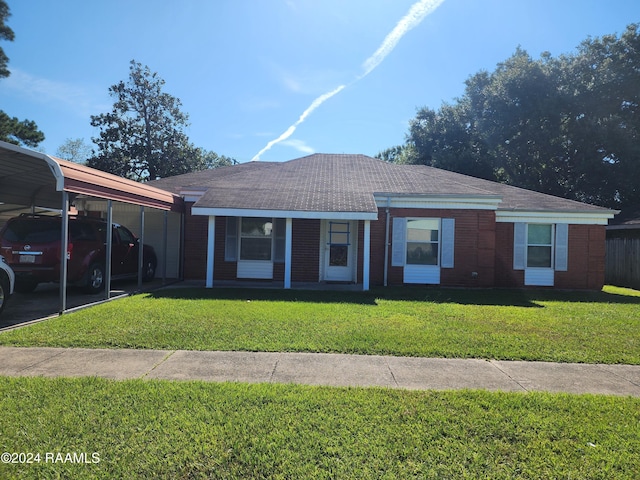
x=340 y=237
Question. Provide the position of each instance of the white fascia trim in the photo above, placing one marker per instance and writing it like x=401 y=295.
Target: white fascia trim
x=192 y=195
x=243 y=212
x=576 y=218
x=460 y=202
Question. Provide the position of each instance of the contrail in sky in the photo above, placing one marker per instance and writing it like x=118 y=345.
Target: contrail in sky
x=416 y=14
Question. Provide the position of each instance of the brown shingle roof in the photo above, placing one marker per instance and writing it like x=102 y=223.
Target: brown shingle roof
x=347 y=183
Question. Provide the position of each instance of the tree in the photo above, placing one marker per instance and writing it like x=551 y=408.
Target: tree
x=401 y=154
x=13 y=130
x=213 y=160
x=74 y=150
x=5 y=34
x=19 y=132
x=567 y=126
x=143 y=137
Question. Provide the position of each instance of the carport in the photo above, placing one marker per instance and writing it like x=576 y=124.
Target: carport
x=34 y=180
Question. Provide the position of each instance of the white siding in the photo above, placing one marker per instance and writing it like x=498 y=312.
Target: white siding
x=129 y=216
x=541 y=277
x=423 y=274
x=258 y=269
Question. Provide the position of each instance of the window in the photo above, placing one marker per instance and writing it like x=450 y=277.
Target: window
x=539 y=245
x=423 y=241
x=124 y=235
x=256 y=238
x=339 y=241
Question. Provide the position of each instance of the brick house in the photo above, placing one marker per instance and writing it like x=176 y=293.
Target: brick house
x=356 y=219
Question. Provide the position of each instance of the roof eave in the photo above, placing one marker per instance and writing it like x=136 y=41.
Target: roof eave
x=273 y=213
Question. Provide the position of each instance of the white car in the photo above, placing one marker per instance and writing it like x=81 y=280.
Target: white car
x=7 y=282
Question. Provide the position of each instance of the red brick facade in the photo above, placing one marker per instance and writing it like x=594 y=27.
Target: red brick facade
x=483 y=251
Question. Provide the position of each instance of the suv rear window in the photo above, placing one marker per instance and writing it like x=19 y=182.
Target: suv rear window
x=27 y=231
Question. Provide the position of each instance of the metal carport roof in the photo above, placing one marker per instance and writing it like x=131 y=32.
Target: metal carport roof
x=33 y=179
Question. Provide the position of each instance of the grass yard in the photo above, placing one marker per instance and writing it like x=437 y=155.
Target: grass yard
x=591 y=327
x=167 y=430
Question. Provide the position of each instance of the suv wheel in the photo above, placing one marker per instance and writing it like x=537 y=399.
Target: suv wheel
x=149 y=270
x=95 y=278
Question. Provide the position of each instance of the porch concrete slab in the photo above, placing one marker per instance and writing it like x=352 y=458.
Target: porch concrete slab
x=80 y=362
x=573 y=377
x=214 y=366
x=338 y=370
x=449 y=373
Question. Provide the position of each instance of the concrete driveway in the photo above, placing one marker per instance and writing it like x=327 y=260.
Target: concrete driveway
x=45 y=301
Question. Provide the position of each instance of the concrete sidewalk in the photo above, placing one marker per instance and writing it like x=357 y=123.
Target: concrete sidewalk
x=322 y=369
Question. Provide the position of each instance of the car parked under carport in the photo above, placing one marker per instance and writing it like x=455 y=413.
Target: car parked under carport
x=32 y=182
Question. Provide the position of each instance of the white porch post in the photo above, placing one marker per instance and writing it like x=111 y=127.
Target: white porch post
x=287 y=253
x=211 y=240
x=366 y=254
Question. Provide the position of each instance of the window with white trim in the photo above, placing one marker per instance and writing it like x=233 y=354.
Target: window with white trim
x=256 y=236
x=423 y=241
x=539 y=245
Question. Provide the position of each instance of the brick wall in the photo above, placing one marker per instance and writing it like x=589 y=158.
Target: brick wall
x=474 y=248
x=586 y=258
x=481 y=245
x=585 y=269
x=305 y=254
x=195 y=245
x=506 y=276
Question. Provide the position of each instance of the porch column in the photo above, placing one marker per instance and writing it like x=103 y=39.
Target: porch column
x=366 y=254
x=287 y=253
x=211 y=239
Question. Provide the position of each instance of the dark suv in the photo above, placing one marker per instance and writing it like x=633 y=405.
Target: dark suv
x=31 y=246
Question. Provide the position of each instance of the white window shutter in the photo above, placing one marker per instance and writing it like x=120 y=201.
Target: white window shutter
x=562 y=247
x=519 y=245
x=448 y=240
x=399 y=242
x=231 y=240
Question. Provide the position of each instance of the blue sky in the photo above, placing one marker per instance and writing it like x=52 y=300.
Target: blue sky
x=333 y=76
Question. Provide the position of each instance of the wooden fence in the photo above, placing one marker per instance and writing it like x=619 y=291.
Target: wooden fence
x=623 y=262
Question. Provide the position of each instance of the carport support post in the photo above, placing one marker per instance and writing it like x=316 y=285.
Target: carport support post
x=164 y=247
x=64 y=242
x=108 y=245
x=141 y=248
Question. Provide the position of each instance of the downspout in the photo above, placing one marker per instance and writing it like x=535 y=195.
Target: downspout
x=386 y=241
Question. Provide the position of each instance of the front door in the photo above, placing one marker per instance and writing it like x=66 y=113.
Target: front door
x=339 y=258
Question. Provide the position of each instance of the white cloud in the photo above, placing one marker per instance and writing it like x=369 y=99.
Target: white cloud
x=299 y=145
x=73 y=97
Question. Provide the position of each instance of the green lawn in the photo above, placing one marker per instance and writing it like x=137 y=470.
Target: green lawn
x=185 y=430
x=591 y=327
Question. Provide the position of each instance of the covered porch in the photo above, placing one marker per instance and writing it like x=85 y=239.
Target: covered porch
x=288 y=248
